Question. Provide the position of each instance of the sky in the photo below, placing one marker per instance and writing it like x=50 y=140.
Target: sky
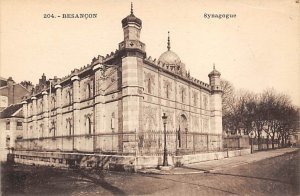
x=256 y=50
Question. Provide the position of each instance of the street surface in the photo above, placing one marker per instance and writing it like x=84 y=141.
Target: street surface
x=278 y=175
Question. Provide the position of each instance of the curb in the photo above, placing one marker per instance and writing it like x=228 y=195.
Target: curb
x=171 y=173
x=213 y=170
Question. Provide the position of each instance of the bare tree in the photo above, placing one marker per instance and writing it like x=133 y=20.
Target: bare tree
x=227 y=96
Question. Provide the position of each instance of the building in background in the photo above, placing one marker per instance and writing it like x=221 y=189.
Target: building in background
x=114 y=106
x=11 y=92
x=11 y=128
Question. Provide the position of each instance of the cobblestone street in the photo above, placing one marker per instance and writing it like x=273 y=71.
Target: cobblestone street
x=278 y=175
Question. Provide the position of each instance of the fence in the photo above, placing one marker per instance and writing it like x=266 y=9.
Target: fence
x=264 y=144
x=133 y=143
x=238 y=141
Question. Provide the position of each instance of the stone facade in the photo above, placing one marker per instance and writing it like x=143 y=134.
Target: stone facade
x=114 y=106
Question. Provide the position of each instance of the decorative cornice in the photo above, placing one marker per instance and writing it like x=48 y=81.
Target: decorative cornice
x=57 y=86
x=73 y=78
x=97 y=66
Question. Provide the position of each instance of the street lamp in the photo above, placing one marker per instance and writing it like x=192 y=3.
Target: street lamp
x=164 y=118
x=252 y=136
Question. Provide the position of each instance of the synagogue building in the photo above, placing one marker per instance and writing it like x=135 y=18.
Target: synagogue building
x=113 y=108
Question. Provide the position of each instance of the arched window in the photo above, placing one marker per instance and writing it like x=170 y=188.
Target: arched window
x=30 y=111
x=113 y=121
x=53 y=127
x=149 y=86
x=167 y=91
x=53 y=103
x=205 y=101
x=41 y=105
x=88 y=125
x=42 y=130
x=69 y=98
x=182 y=95
x=88 y=91
x=195 y=99
x=7 y=141
x=69 y=127
x=7 y=125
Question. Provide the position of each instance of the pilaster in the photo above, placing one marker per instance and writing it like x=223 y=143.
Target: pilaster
x=25 y=120
x=76 y=111
x=45 y=113
x=59 y=129
x=99 y=100
x=35 y=132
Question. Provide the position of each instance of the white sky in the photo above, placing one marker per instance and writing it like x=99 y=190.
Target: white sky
x=257 y=50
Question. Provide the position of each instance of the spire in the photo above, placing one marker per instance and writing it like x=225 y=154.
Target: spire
x=131 y=10
x=214 y=66
x=169 y=44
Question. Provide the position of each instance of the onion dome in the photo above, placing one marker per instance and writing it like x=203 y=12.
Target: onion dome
x=131 y=19
x=214 y=72
x=169 y=57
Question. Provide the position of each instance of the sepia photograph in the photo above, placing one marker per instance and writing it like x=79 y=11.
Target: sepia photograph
x=136 y=97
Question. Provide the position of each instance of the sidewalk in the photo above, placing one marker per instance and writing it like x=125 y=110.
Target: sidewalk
x=217 y=165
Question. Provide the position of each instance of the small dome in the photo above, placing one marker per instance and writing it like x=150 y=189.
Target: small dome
x=170 y=58
x=131 y=19
x=214 y=72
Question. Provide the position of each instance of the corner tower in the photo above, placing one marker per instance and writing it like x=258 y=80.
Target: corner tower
x=132 y=53
x=216 y=103
x=132 y=26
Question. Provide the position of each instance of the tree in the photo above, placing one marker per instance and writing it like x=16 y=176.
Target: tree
x=227 y=96
x=269 y=113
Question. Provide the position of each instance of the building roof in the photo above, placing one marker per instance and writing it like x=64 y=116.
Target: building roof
x=169 y=57
x=131 y=19
x=3 y=81
x=214 y=72
x=12 y=111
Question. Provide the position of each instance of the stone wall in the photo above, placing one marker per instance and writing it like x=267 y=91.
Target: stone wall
x=115 y=162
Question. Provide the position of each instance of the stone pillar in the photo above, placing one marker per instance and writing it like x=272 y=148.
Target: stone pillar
x=45 y=114
x=58 y=105
x=131 y=100
x=216 y=105
x=13 y=128
x=99 y=99
x=25 y=120
x=58 y=109
x=76 y=109
x=35 y=133
x=99 y=106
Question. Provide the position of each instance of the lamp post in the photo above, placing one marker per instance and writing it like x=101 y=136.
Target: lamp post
x=252 y=135
x=165 y=162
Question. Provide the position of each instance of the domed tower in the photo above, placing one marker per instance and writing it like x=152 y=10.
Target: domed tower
x=214 y=78
x=170 y=58
x=216 y=103
x=132 y=53
x=132 y=26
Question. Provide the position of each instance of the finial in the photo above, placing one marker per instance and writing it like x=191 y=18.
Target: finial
x=169 y=44
x=131 y=11
x=214 y=66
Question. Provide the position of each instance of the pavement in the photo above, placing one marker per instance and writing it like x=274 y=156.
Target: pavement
x=219 y=165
